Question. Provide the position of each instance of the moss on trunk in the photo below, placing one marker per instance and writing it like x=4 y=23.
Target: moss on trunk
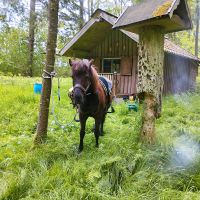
x=150 y=76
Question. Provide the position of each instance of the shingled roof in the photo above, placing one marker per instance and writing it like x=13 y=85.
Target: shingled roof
x=173 y=15
x=92 y=29
x=169 y=47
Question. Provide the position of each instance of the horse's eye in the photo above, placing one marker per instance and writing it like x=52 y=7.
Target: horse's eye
x=87 y=76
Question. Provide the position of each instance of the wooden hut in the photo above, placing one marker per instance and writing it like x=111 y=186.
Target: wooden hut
x=116 y=51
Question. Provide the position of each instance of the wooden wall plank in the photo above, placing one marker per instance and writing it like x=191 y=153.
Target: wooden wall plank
x=129 y=84
x=127 y=46
x=117 y=44
x=123 y=45
x=106 y=47
x=120 y=43
x=110 y=45
x=114 y=44
x=130 y=48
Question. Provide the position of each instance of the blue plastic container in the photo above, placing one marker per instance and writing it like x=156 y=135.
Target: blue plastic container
x=37 y=88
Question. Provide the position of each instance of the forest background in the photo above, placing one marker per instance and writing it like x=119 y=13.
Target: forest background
x=24 y=24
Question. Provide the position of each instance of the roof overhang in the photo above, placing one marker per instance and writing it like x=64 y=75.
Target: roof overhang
x=87 y=38
x=174 y=24
x=172 y=15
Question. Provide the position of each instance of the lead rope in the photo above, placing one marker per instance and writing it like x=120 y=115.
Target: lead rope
x=51 y=75
x=75 y=116
x=59 y=89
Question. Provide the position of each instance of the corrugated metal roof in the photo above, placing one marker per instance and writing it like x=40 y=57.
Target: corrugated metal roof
x=169 y=46
x=177 y=50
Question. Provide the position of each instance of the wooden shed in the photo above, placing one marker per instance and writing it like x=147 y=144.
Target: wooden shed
x=116 y=51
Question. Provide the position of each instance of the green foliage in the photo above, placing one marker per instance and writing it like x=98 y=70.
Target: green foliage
x=13 y=50
x=121 y=168
x=14 y=31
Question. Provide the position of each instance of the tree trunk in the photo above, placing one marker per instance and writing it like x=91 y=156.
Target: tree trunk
x=148 y=119
x=197 y=29
x=81 y=13
x=31 y=36
x=89 y=9
x=92 y=7
x=49 y=67
x=150 y=77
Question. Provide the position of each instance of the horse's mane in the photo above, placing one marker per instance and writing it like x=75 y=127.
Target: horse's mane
x=94 y=74
x=94 y=78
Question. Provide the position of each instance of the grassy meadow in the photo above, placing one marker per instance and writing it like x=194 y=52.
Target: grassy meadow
x=121 y=168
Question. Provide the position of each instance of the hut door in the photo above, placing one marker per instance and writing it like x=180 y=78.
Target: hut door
x=124 y=79
x=126 y=66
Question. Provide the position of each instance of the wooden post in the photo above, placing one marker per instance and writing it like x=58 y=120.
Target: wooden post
x=114 y=83
x=150 y=77
x=49 y=67
x=160 y=17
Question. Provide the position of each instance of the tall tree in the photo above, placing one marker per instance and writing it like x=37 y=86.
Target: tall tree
x=81 y=14
x=32 y=19
x=90 y=8
x=13 y=8
x=72 y=15
x=197 y=29
x=41 y=133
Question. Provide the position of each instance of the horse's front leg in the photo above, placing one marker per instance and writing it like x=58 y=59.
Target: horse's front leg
x=83 y=120
x=97 y=131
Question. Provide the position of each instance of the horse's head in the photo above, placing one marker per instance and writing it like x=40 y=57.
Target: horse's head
x=81 y=75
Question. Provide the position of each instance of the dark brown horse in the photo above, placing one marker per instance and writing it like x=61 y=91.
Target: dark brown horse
x=89 y=96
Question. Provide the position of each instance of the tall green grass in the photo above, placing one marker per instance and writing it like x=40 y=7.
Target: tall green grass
x=121 y=168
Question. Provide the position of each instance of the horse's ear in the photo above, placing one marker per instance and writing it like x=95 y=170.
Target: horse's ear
x=91 y=62
x=70 y=62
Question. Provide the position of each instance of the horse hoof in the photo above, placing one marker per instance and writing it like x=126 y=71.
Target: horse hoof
x=102 y=134
x=80 y=149
x=97 y=146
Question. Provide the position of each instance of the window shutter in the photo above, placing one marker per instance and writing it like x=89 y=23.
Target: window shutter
x=126 y=66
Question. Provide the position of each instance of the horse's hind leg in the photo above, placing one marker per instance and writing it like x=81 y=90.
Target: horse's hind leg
x=102 y=124
x=82 y=131
x=97 y=131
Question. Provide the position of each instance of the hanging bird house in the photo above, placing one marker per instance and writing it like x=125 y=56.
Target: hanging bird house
x=152 y=19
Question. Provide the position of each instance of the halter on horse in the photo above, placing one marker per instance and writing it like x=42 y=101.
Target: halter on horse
x=89 y=96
